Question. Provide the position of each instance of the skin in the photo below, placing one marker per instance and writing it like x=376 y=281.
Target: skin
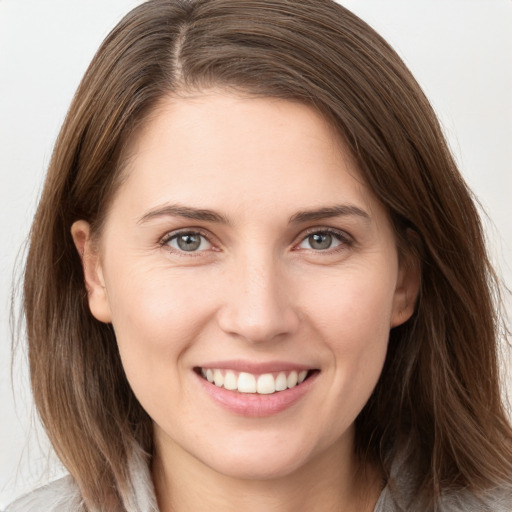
x=257 y=289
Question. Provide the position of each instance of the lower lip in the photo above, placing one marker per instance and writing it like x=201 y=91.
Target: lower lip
x=254 y=405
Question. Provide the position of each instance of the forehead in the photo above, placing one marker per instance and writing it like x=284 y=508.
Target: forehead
x=218 y=149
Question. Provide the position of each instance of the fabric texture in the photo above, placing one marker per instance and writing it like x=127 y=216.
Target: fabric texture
x=498 y=501
x=63 y=495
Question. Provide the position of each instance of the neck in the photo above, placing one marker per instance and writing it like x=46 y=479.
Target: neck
x=324 y=485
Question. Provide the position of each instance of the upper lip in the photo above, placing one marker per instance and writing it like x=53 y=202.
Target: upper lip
x=256 y=368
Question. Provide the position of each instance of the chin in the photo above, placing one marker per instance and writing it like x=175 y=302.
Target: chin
x=259 y=468
x=260 y=460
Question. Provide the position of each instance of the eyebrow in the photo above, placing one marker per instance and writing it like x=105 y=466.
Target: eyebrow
x=341 y=210
x=205 y=215
x=188 y=212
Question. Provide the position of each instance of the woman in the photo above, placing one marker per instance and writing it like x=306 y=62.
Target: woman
x=265 y=285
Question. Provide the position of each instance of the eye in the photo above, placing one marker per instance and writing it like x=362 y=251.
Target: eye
x=323 y=240
x=190 y=241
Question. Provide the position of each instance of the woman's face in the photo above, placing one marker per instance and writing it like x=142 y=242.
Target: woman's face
x=244 y=247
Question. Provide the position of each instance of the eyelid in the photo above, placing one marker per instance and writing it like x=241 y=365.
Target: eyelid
x=343 y=236
x=188 y=230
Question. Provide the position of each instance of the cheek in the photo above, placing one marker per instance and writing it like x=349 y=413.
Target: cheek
x=156 y=315
x=359 y=300
x=352 y=315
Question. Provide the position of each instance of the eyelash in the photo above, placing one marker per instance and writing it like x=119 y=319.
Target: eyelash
x=175 y=234
x=346 y=241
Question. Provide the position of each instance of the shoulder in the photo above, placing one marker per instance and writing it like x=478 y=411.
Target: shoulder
x=59 y=496
x=63 y=495
x=498 y=500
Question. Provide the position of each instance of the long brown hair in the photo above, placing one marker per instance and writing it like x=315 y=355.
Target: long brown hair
x=437 y=404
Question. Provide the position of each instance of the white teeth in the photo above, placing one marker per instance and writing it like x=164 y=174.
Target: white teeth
x=281 y=382
x=266 y=384
x=230 y=381
x=245 y=382
x=218 y=378
x=292 y=379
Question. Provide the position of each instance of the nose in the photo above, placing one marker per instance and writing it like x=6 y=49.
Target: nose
x=258 y=304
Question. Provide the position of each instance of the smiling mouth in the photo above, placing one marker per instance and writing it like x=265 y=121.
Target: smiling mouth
x=244 y=382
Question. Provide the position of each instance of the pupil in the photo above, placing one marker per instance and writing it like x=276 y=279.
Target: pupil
x=320 y=240
x=189 y=242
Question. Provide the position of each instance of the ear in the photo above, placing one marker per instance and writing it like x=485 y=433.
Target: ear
x=93 y=273
x=407 y=288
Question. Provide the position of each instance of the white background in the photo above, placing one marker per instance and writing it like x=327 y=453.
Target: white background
x=459 y=50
